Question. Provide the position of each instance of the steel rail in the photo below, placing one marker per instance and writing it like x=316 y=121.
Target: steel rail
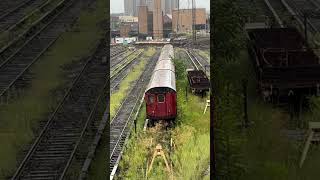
x=13 y=18
x=29 y=30
x=49 y=122
x=39 y=53
x=122 y=126
x=192 y=60
x=68 y=98
x=51 y=118
x=274 y=13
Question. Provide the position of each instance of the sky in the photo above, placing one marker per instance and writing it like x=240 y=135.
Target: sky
x=116 y=6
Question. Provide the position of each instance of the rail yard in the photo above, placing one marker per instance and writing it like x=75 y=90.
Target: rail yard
x=54 y=69
x=131 y=126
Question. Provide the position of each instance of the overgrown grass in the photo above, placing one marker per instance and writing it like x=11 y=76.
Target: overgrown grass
x=19 y=118
x=100 y=163
x=264 y=151
x=117 y=97
x=191 y=137
x=205 y=54
x=118 y=67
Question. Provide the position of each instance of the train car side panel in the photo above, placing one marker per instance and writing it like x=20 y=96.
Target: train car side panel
x=161 y=105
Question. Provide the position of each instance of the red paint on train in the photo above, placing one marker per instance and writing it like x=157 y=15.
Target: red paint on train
x=161 y=105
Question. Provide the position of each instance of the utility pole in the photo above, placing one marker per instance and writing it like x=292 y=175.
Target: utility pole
x=178 y=16
x=194 y=35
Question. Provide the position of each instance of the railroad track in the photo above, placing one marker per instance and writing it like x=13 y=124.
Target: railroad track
x=8 y=5
x=21 y=60
x=15 y=15
x=122 y=72
x=116 y=61
x=52 y=152
x=278 y=11
x=299 y=7
x=257 y=10
x=121 y=123
x=198 y=62
x=115 y=51
x=17 y=37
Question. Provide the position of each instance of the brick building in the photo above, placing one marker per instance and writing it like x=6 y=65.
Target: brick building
x=183 y=18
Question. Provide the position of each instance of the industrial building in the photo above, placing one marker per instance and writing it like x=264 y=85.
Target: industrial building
x=182 y=20
x=157 y=20
x=160 y=18
x=166 y=5
x=150 y=23
x=128 y=26
x=167 y=25
x=124 y=30
x=131 y=7
x=170 y=5
x=143 y=20
x=128 y=19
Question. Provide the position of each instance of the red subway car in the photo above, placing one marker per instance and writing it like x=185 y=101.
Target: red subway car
x=160 y=95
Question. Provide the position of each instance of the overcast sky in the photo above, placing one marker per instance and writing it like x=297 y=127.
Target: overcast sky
x=116 y=6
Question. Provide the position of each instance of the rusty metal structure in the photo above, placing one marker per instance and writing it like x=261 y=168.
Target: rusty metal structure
x=198 y=81
x=285 y=64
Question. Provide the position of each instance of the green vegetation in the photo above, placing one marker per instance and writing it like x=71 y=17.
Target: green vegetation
x=117 y=97
x=129 y=59
x=205 y=54
x=21 y=116
x=100 y=164
x=261 y=151
x=190 y=156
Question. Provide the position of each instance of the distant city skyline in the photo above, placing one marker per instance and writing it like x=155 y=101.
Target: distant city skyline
x=117 y=6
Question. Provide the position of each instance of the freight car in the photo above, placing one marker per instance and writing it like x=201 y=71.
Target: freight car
x=285 y=65
x=160 y=95
x=198 y=81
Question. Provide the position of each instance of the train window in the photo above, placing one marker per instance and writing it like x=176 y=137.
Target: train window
x=160 y=98
x=151 y=99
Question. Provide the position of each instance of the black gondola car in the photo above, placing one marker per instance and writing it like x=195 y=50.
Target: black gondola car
x=198 y=81
x=285 y=64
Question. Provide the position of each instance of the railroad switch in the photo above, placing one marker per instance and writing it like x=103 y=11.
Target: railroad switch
x=313 y=137
x=159 y=152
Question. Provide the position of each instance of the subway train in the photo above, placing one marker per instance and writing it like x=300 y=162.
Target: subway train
x=160 y=95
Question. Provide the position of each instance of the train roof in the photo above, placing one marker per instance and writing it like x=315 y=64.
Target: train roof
x=167 y=52
x=165 y=64
x=164 y=72
x=162 y=78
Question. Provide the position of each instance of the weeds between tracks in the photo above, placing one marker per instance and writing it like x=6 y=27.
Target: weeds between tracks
x=21 y=116
x=191 y=136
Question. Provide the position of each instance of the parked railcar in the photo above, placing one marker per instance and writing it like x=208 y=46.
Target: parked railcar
x=285 y=64
x=160 y=95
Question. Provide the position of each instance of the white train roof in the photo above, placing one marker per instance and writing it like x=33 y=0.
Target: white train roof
x=164 y=64
x=164 y=72
x=162 y=78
